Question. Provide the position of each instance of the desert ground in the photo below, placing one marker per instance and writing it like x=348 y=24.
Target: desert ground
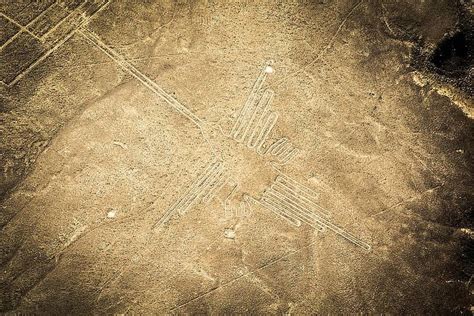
x=236 y=157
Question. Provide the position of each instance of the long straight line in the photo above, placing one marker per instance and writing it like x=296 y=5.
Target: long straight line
x=298 y=196
x=191 y=194
x=27 y=26
x=267 y=128
x=145 y=80
x=298 y=200
x=338 y=230
x=57 y=25
x=279 y=211
x=241 y=121
x=57 y=45
x=231 y=281
x=290 y=211
x=220 y=181
x=22 y=28
x=259 y=112
x=310 y=218
x=287 y=181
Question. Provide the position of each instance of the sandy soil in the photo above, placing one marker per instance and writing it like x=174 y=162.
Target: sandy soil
x=93 y=160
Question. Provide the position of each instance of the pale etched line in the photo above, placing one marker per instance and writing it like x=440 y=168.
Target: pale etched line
x=230 y=196
x=271 y=201
x=297 y=201
x=27 y=26
x=338 y=230
x=272 y=149
x=22 y=28
x=250 y=100
x=63 y=4
x=243 y=207
x=55 y=27
x=295 y=185
x=57 y=45
x=292 y=212
x=40 y=15
x=221 y=181
x=39 y=28
x=259 y=124
x=324 y=49
x=212 y=183
x=147 y=82
x=283 y=149
x=280 y=212
x=10 y=40
x=83 y=11
x=43 y=57
x=194 y=194
x=205 y=188
x=100 y=8
x=263 y=103
x=303 y=196
x=272 y=262
x=309 y=217
x=200 y=186
x=300 y=199
x=267 y=128
x=185 y=199
x=248 y=199
x=238 y=136
x=291 y=155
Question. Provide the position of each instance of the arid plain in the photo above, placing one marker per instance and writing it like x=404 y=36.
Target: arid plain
x=248 y=157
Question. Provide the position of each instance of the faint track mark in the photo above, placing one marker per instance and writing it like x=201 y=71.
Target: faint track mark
x=324 y=50
x=229 y=282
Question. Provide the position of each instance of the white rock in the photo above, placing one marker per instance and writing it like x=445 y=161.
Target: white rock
x=269 y=69
x=229 y=233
